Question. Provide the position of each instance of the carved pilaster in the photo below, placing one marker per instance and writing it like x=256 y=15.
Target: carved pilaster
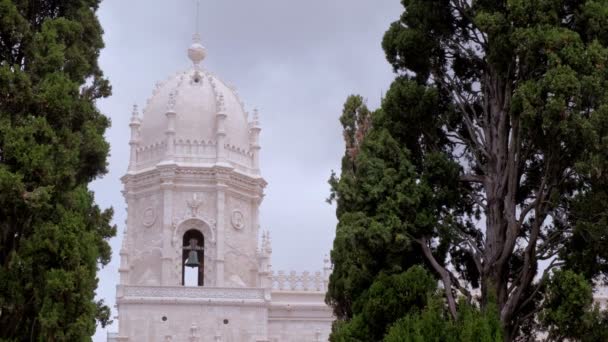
x=221 y=233
x=125 y=266
x=167 y=188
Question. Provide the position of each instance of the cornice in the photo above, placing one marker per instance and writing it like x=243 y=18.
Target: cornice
x=178 y=175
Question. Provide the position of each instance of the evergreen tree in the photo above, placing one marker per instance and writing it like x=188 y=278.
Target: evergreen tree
x=53 y=235
x=488 y=160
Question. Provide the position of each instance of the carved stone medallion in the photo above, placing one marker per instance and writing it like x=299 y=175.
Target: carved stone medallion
x=149 y=217
x=238 y=219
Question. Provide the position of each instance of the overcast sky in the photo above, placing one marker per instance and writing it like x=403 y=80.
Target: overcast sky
x=296 y=61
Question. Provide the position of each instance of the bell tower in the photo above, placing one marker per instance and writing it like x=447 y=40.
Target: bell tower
x=191 y=268
x=193 y=190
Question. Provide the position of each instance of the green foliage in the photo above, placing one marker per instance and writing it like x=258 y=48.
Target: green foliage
x=387 y=299
x=434 y=324
x=53 y=235
x=488 y=157
x=569 y=312
x=382 y=202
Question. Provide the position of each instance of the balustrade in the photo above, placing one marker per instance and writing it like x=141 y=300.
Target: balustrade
x=306 y=281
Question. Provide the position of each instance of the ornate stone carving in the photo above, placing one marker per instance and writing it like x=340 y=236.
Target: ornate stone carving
x=237 y=219
x=194 y=204
x=149 y=217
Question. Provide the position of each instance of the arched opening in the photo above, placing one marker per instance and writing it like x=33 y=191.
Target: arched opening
x=193 y=258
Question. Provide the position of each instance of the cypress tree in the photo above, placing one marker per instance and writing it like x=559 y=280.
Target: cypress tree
x=53 y=236
x=487 y=162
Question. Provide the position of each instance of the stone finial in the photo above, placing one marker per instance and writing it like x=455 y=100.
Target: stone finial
x=196 y=51
x=134 y=142
x=135 y=113
x=221 y=103
x=172 y=100
x=269 y=242
x=266 y=243
x=255 y=123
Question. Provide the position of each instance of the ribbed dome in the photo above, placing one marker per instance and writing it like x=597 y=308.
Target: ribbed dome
x=195 y=119
x=196 y=97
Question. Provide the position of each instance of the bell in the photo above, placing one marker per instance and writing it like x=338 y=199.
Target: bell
x=192 y=260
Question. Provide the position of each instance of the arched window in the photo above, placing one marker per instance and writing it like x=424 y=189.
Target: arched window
x=193 y=256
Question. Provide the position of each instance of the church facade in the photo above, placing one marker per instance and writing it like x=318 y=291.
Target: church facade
x=194 y=265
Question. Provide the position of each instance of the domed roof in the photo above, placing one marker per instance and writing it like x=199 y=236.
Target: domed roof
x=196 y=96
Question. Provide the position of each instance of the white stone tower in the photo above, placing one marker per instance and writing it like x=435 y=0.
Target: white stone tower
x=194 y=167
x=194 y=186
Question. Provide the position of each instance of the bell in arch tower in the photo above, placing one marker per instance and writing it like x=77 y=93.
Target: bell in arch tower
x=193 y=190
x=193 y=186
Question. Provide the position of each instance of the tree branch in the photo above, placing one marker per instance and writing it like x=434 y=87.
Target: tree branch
x=445 y=275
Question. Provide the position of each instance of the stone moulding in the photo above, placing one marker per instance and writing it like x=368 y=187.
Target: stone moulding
x=148 y=179
x=171 y=293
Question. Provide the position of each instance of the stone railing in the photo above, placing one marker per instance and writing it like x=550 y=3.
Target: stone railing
x=239 y=155
x=305 y=281
x=194 y=151
x=148 y=156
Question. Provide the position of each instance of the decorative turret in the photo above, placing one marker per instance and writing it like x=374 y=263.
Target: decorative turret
x=221 y=129
x=134 y=141
x=254 y=140
x=264 y=267
x=170 y=132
